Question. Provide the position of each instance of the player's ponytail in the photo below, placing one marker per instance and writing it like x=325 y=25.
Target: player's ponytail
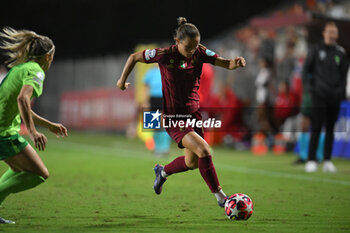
x=185 y=29
x=23 y=45
x=181 y=21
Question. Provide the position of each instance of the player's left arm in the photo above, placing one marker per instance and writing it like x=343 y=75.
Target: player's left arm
x=230 y=64
x=55 y=128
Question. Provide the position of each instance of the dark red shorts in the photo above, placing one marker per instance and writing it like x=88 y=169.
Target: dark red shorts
x=177 y=133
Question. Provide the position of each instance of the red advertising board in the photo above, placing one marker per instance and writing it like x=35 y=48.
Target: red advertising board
x=109 y=109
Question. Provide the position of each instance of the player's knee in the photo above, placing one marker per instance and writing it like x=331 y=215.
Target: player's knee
x=204 y=151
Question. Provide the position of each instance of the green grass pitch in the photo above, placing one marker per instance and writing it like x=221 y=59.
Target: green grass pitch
x=103 y=183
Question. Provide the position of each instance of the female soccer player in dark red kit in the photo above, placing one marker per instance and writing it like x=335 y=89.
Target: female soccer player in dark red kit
x=181 y=67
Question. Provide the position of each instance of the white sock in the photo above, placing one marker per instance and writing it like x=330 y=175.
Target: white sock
x=220 y=196
x=163 y=173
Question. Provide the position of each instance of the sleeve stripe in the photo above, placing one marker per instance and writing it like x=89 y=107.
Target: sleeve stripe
x=146 y=54
x=143 y=55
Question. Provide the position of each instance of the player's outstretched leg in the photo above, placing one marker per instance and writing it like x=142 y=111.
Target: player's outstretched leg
x=200 y=147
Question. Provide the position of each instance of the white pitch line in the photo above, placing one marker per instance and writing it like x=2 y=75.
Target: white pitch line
x=127 y=153
x=280 y=174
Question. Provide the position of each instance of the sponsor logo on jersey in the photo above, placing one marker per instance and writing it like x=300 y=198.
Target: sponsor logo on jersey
x=209 y=52
x=150 y=54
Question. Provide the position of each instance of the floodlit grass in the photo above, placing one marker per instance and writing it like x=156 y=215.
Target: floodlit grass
x=103 y=183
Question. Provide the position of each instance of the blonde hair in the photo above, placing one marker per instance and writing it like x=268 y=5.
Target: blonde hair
x=24 y=45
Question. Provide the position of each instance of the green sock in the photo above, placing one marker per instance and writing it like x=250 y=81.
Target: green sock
x=20 y=182
x=8 y=174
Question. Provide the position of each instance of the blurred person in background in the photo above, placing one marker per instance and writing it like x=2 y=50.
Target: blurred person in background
x=226 y=106
x=286 y=66
x=286 y=103
x=154 y=101
x=265 y=92
x=305 y=115
x=286 y=106
x=325 y=68
x=206 y=86
x=287 y=99
x=181 y=67
x=336 y=10
x=30 y=56
x=205 y=98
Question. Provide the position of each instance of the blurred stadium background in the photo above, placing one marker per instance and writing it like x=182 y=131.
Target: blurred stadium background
x=93 y=40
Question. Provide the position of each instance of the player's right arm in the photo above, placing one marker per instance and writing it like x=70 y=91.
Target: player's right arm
x=128 y=67
x=23 y=102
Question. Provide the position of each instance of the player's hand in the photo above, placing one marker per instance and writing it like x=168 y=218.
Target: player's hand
x=39 y=140
x=237 y=62
x=58 y=129
x=240 y=61
x=122 y=85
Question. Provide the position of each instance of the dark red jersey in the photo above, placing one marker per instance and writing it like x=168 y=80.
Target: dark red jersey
x=180 y=76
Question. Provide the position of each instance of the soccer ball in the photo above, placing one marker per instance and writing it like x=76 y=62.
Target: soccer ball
x=238 y=207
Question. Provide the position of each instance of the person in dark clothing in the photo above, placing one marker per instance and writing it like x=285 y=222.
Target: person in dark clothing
x=325 y=68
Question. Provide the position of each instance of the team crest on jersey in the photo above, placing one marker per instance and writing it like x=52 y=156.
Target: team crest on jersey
x=182 y=64
x=337 y=60
x=209 y=52
x=150 y=54
x=39 y=78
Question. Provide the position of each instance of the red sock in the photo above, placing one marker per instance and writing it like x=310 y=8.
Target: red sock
x=207 y=170
x=176 y=166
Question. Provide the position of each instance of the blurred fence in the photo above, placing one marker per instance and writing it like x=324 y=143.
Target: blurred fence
x=107 y=109
x=77 y=75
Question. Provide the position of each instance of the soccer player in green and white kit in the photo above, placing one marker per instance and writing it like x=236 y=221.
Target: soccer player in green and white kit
x=30 y=56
